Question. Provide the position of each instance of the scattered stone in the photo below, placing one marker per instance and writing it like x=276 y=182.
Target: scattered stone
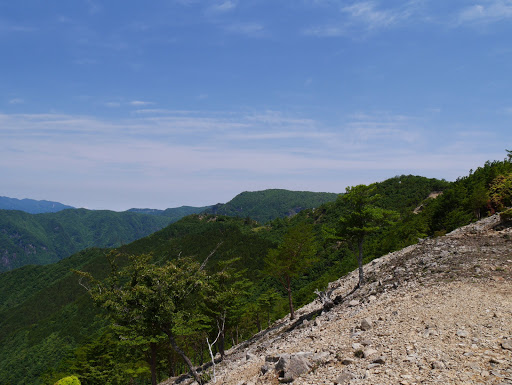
x=290 y=366
x=353 y=303
x=264 y=369
x=344 y=377
x=249 y=356
x=347 y=361
x=379 y=360
x=366 y=324
x=369 y=352
x=507 y=344
x=438 y=365
x=462 y=333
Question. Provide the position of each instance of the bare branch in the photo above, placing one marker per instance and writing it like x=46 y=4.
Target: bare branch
x=214 y=342
x=83 y=284
x=203 y=265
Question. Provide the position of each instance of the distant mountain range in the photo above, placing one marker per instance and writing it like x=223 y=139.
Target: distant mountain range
x=32 y=206
x=47 y=237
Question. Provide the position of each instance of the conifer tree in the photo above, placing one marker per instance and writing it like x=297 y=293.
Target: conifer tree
x=362 y=218
x=292 y=258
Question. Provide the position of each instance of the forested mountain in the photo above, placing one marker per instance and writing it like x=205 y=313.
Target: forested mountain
x=266 y=205
x=49 y=326
x=31 y=206
x=173 y=214
x=47 y=238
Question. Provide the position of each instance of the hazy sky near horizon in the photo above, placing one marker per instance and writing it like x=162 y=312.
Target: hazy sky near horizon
x=119 y=104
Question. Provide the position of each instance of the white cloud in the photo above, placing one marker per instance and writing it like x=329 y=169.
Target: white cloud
x=112 y=104
x=368 y=14
x=487 y=12
x=16 y=101
x=223 y=6
x=139 y=103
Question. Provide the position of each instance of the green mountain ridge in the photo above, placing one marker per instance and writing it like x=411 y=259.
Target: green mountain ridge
x=270 y=204
x=48 y=237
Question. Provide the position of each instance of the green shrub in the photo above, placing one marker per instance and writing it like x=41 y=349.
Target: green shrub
x=70 y=380
x=506 y=215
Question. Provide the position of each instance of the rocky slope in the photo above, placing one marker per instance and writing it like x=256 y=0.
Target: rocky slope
x=439 y=312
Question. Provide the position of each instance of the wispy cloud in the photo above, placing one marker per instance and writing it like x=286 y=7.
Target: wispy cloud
x=112 y=104
x=139 y=103
x=486 y=12
x=6 y=27
x=240 y=150
x=222 y=6
x=366 y=16
x=367 y=13
x=16 y=101
x=250 y=29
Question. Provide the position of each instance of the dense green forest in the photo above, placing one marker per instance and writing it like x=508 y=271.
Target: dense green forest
x=47 y=238
x=51 y=328
x=277 y=203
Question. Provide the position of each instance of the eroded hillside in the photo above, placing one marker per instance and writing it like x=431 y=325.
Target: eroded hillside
x=439 y=312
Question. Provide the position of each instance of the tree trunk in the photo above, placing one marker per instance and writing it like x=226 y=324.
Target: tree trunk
x=220 y=343
x=290 y=300
x=258 y=323
x=185 y=358
x=153 y=348
x=360 y=261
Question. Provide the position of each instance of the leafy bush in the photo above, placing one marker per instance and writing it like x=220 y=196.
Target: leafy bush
x=70 y=380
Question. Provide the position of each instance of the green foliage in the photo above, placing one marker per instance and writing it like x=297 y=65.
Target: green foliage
x=267 y=205
x=506 y=215
x=500 y=192
x=107 y=360
x=362 y=218
x=71 y=380
x=47 y=238
x=292 y=258
x=480 y=193
x=146 y=301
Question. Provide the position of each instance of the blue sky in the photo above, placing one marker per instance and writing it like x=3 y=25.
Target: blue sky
x=119 y=104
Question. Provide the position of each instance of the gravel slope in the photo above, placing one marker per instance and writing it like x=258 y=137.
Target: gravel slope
x=439 y=312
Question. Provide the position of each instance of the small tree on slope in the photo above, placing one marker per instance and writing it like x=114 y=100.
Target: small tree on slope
x=292 y=258
x=362 y=218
